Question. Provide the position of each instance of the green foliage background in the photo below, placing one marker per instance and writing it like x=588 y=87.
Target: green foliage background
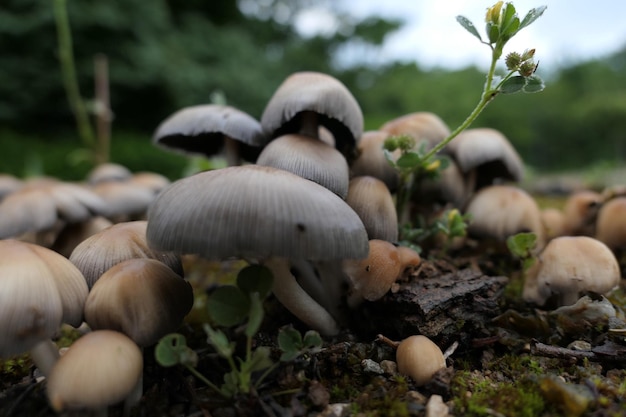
x=166 y=54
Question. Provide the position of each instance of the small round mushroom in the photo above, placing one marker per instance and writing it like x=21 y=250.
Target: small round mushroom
x=309 y=158
x=371 y=159
x=420 y=358
x=580 y=211
x=108 y=171
x=500 y=211
x=568 y=266
x=142 y=298
x=611 y=224
x=100 y=369
x=260 y=214
x=372 y=277
x=122 y=241
x=208 y=129
x=307 y=100
x=553 y=221
x=372 y=201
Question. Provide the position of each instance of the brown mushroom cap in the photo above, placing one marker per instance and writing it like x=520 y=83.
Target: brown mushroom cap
x=371 y=159
x=142 y=298
x=204 y=129
x=319 y=95
x=371 y=200
x=100 y=369
x=569 y=265
x=580 y=211
x=420 y=358
x=553 y=221
x=422 y=126
x=611 y=224
x=309 y=158
x=120 y=242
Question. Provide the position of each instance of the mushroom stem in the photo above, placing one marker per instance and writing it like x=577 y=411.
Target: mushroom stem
x=231 y=151
x=309 y=281
x=309 y=124
x=45 y=354
x=332 y=278
x=134 y=397
x=297 y=301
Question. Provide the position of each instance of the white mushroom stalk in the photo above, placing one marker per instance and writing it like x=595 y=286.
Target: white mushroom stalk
x=264 y=213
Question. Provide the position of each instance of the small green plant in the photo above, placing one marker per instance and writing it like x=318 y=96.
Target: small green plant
x=522 y=246
x=502 y=24
x=238 y=306
x=450 y=224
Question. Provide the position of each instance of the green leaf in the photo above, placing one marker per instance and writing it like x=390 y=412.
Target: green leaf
x=469 y=26
x=255 y=278
x=172 y=350
x=219 y=341
x=493 y=31
x=531 y=16
x=228 y=305
x=521 y=244
x=312 y=340
x=259 y=360
x=510 y=22
x=513 y=85
x=289 y=339
x=534 y=84
x=255 y=315
x=409 y=160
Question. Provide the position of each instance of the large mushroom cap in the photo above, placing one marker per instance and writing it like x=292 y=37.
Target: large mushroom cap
x=254 y=212
x=421 y=126
x=322 y=94
x=203 y=129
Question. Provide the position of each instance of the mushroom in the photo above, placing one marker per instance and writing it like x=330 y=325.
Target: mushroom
x=568 y=266
x=108 y=171
x=372 y=201
x=142 y=298
x=487 y=155
x=372 y=277
x=125 y=200
x=115 y=244
x=371 y=159
x=72 y=235
x=309 y=158
x=500 y=211
x=420 y=358
x=100 y=369
x=553 y=221
x=9 y=184
x=260 y=213
x=580 y=211
x=208 y=128
x=611 y=224
x=307 y=100
x=423 y=127
x=40 y=290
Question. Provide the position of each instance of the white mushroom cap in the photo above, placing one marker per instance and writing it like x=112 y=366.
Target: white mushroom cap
x=115 y=244
x=309 y=158
x=204 y=129
x=569 y=265
x=500 y=211
x=100 y=369
x=108 y=171
x=142 y=298
x=372 y=201
x=321 y=96
x=9 y=184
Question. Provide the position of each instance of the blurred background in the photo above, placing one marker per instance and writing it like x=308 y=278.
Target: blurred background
x=166 y=54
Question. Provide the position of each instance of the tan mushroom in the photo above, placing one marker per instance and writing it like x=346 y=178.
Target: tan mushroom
x=371 y=200
x=611 y=224
x=423 y=127
x=420 y=358
x=568 y=266
x=580 y=211
x=553 y=221
x=371 y=159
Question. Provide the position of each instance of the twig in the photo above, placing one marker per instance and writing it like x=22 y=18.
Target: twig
x=538 y=348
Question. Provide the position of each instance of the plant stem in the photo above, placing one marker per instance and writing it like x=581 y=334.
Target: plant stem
x=203 y=379
x=68 y=70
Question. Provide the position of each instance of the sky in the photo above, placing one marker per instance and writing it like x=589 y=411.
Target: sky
x=569 y=31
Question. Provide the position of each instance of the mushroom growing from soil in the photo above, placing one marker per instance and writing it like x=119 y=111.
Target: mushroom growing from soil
x=40 y=290
x=260 y=214
x=420 y=358
x=210 y=128
x=100 y=369
x=372 y=201
x=569 y=266
x=372 y=277
x=142 y=298
x=611 y=224
x=307 y=100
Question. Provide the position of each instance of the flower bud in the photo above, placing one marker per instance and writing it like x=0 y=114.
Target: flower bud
x=513 y=60
x=391 y=144
x=528 y=54
x=493 y=13
x=527 y=69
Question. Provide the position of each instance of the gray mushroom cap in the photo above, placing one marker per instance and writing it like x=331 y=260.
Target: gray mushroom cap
x=202 y=129
x=306 y=91
x=254 y=212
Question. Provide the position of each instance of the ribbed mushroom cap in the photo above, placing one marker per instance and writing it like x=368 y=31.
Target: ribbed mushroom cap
x=580 y=211
x=123 y=199
x=308 y=158
x=421 y=126
x=371 y=159
x=202 y=129
x=500 y=211
x=115 y=244
x=142 y=298
x=100 y=369
x=26 y=211
x=301 y=92
x=254 y=212
x=40 y=290
x=108 y=171
x=370 y=198
x=569 y=265
x=488 y=152
x=611 y=223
